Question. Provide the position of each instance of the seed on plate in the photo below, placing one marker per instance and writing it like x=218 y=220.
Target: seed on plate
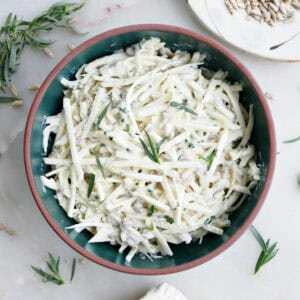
x=17 y=103
x=71 y=47
x=48 y=52
x=34 y=87
x=13 y=90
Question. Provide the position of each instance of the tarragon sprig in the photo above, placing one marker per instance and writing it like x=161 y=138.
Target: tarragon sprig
x=209 y=159
x=183 y=107
x=268 y=251
x=16 y=33
x=153 y=151
x=53 y=276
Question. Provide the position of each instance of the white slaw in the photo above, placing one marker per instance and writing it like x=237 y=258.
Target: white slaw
x=207 y=164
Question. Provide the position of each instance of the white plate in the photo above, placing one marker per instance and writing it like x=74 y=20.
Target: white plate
x=249 y=35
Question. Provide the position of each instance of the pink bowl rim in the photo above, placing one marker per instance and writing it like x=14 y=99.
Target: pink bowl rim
x=39 y=96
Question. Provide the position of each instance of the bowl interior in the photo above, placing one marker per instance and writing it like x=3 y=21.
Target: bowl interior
x=51 y=103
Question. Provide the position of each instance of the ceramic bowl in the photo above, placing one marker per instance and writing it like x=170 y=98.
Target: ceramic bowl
x=48 y=101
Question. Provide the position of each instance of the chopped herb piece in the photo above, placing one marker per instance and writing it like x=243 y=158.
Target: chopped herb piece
x=298 y=180
x=184 y=102
x=100 y=167
x=267 y=252
x=102 y=115
x=123 y=109
x=150 y=211
x=182 y=107
x=54 y=276
x=73 y=269
x=153 y=151
x=292 y=140
x=151 y=227
x=169 y=219
x=91 y=184
x=191 y=145
x=210 y=159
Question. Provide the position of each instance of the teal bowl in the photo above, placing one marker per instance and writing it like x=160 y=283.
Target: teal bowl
x=48 y=101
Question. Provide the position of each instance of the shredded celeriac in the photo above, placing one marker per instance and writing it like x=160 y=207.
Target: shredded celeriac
x=206 y=163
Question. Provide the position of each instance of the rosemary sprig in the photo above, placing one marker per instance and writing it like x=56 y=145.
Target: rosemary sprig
x=16 y=33
x=267 y=252
x=91 y=184
x=100 y=167
x=73 y=269
x=54 y=276
x=102 y=115
x=292 y=140
x=153 y=151
x=209 y=159
x=182 y=107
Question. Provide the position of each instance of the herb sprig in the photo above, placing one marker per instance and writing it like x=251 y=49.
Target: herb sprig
x=292 y=140
x=54 y=276
x=268 y=251
x=16 y=33
x=153 y=151
x=183 y=107
x=209 y=159
x=73 y=269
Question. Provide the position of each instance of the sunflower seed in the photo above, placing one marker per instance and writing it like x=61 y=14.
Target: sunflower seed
x=48 y=52
x=17 y=103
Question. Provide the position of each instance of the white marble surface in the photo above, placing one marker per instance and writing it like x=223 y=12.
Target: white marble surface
x=229 y=276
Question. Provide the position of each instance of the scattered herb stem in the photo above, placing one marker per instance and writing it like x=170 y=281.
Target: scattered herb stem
x=182 y=107
x=16 y=33
x=4 y=99
x=268 y=251
x=73 y=269
x=292 y=140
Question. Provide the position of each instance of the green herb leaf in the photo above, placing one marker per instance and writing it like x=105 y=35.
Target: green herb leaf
x=298 y=180
x=267 y=253
x=153 y=151
x=153 y=146
x=91 y=184
x=150 y=211
x=151 y=227
x=292 y=140
x=100 y=167
x=73 y=269
x=182 y=107
x=8 y=99
x=102 y=115
x=169 y=219
x=258 y=237
x=210 y=159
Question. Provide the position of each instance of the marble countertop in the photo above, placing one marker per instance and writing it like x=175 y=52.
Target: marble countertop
x=228 y=276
